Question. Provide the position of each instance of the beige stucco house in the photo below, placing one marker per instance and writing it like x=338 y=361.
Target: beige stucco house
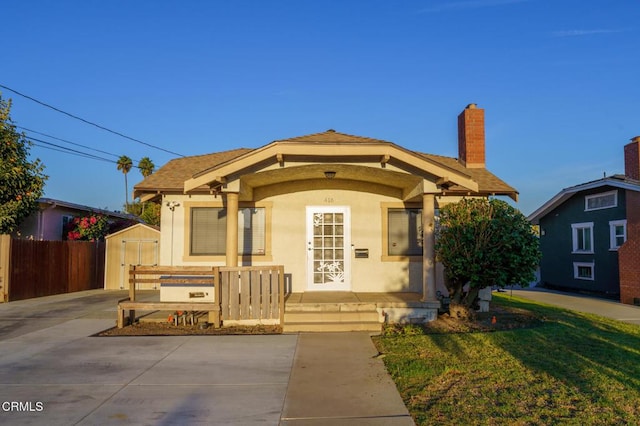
x=342 y=213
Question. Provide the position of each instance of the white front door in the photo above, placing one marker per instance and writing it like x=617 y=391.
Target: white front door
x=328 y=248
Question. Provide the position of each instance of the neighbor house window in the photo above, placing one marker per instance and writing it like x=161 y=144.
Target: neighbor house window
x=601 y=201
x=209 y=231
x=582 y=237
x=583 y=271
x=66 y=220
x=617 y=233
x=404 y=232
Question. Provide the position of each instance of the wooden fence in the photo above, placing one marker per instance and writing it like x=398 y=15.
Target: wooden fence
x=44 y=268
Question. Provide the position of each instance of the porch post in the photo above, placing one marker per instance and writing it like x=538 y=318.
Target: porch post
x=232 y=229
x=428 y=248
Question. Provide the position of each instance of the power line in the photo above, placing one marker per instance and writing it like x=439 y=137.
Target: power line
x=63 y=149
x=87 y=121
x=67 y=150
x=66 y=141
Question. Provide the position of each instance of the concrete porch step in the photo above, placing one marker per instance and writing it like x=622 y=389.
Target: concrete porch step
x=322 y=316
x=326 y=327
x=331 y=319
x=329 y=307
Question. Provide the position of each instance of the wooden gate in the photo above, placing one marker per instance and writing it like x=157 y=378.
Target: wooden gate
x=252 y=294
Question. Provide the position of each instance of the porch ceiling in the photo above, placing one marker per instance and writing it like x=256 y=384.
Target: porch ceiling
x=350 y=172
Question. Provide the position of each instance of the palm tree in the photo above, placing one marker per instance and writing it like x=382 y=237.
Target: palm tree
x=124 y=165
x=146 y=166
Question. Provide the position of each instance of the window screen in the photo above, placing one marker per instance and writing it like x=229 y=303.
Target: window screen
x=405 y=232
x=209 y=231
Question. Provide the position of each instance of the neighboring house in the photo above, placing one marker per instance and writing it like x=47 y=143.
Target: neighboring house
x=589 y=235
x=49 y=222
x=340 y=212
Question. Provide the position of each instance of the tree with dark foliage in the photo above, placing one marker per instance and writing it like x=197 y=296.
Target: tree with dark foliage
x=21 y=181
x=484 y=243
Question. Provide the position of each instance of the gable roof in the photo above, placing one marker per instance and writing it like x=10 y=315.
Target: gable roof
x=155 y=229
x=205 y=171
x=318 y=148
x=331 y=136
x=616 y=181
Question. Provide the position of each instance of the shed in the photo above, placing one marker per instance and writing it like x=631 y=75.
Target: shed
x=136 y=245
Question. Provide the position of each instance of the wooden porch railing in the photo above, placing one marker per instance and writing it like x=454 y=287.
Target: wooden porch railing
x=252 y=293
x=242 y=294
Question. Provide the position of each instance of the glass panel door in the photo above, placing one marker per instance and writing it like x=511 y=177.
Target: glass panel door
x=328 y=248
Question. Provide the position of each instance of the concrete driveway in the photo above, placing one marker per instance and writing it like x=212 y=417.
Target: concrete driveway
x=575 y=302
x=53 y=372
x=64 y=377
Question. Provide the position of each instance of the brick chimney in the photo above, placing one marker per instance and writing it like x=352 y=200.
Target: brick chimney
x=471 y=137
x=632 y=159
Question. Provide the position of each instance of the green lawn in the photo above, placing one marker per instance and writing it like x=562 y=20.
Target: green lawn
x=576 y=369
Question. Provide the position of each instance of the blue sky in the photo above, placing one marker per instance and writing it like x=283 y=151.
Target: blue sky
x=559 y=81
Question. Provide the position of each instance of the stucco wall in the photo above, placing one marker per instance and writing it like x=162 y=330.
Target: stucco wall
x=370 y=274
x=44 y=224
x=289 y=240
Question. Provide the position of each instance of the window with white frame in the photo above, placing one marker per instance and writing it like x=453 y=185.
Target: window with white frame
x=605 y=200
x=583 y=271
x=209 y=231
x=582 y=237
x=617 y=233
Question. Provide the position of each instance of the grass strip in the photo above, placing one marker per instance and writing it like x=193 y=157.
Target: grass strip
x=573 y=369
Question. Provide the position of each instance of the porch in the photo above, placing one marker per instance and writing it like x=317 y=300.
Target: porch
x=256 y=295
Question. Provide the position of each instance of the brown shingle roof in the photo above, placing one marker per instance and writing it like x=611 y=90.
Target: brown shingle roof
x=331 y=136
x=172 y=175
x=488 y=183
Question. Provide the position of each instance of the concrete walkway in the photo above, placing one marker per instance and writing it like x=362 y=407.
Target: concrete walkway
x=337 y=380
x=52 y=371
x=593 y=305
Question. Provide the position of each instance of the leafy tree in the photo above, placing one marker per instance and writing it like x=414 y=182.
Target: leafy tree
x=146 y=166
x=147 y=211
x=124 y=165
x=21 y=181
x=484 y=243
